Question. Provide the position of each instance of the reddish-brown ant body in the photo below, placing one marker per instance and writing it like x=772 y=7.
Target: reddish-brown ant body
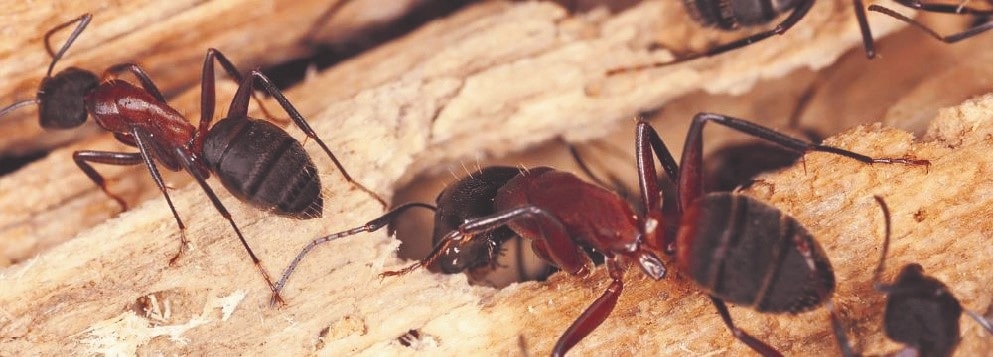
x=731 y=15
x=920 y=311
x=780 y=267
x=256 y=161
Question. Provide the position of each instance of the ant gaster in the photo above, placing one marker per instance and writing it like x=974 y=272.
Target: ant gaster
x=920 y=311
x=731 y=15
x=779 y=266
x=257 y=162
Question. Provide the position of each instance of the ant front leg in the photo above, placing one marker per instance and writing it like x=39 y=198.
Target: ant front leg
x=143 y=141
x=596 y=313
x=967 y=33
x=368 y=227
x=84 y=157
x=239 y=108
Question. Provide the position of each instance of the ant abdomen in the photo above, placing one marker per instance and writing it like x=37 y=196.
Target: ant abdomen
x=754 y=255
x=261 y=164
x=60 y=98
x=732 y=14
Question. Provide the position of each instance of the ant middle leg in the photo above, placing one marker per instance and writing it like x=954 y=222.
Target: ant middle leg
x=85 y=157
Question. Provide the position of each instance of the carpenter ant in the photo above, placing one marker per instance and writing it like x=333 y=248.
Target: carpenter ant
x=920 y=310
x=257 y=162
x=730 y=15
x=780 y=267
x=468 y=198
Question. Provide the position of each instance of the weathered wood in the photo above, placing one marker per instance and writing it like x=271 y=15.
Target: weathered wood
x=494 y=78
x=169 y=39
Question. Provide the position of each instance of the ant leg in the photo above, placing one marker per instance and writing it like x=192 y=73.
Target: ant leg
x=239 y=105
x=56 y=56
x=755 y=344
x=188 y=164
x=651 y=194
x=690 y=185
x=142 y=140
x=970 y=32
x=368 y=227
x=959 y=9
x=84 y=157
x=207 y=89
x=803 y=6
x=146 y=81
x=839 y=331
x=561 y=250
x=596 y=313
x=982 y=321
x=615 y=183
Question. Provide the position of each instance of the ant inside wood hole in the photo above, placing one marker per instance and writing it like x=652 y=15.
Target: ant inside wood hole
x=779 y=266
x=920 y=312
x=733 y=15
x=256 y=161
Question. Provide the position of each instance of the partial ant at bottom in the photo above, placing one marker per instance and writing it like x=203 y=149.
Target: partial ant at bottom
x=921 y=312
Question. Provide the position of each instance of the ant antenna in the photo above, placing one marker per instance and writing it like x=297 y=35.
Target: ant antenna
x=14 y=106
x=83 y=21
x=886 y=244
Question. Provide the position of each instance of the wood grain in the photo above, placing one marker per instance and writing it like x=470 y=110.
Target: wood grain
x=494 y=78
x=169 y=40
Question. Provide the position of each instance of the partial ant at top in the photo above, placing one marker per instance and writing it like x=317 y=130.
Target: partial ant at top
x=256 y=161
x=777 y=265
x=731 y=15
x=920 y=311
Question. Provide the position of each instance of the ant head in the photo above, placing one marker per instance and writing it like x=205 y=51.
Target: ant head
x=912 y=271
x=60 y=98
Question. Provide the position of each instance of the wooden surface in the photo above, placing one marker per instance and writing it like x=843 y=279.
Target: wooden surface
x=492 y=79
x=169 y=39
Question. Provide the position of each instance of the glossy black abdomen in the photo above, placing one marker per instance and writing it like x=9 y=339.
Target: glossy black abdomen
x=749 y=253
x=261 y=164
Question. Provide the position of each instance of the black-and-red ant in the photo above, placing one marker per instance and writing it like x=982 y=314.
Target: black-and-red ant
x=920 y=312
x=778 y=266
x=258 y=162
x=731 y=15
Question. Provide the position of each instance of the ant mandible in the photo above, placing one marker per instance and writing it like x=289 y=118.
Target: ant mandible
x=256 y=161
x=730 y=15
x=564 y=216
x=920 y=311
